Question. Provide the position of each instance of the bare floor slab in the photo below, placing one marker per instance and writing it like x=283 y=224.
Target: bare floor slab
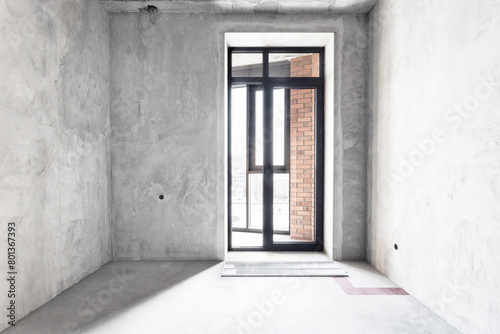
x=192 y=297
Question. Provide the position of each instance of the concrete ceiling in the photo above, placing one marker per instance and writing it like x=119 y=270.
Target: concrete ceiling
x=243 y=6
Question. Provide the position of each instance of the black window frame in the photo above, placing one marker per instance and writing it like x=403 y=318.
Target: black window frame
x=252 y=139
x=268 y=84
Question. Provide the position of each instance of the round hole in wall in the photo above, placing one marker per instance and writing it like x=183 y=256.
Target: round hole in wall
x=396 y=246
x=161 y=197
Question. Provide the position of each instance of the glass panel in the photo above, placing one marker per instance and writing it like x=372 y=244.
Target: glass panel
x=294 y=65
x=281 y=200
x=279 y=127
x=255 y=200
x=246 y=64
x=252 y=236
x=302 y=158
x=240 y=235
x=238 y=157
x=259 y=133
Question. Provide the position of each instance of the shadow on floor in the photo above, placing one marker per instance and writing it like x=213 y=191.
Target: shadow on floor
x=111 y=289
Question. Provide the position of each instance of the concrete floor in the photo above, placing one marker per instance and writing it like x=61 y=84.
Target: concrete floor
x=191 y=297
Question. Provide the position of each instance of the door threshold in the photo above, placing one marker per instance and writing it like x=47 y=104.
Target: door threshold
x=277 y=256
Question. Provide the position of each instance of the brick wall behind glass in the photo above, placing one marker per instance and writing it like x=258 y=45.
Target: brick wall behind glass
x=302 y=150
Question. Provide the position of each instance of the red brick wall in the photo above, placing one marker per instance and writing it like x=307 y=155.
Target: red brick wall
x=302 y=150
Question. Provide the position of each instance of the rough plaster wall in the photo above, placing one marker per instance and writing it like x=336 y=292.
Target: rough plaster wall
x=167 y=120
x=54 y=144
x=246 y=6
x=436 y=67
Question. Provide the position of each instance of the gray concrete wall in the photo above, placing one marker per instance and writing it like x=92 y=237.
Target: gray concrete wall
x=246 y=6
x=167 y=120
x=435 y=176
x=54 y=145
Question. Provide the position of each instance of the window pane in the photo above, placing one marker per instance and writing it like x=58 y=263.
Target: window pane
x=259 y=133
x=247 y=65
x=255 y=200
x=294 y=65
x=281 y=199
x=279 y=127
x=246 y=201
x=238 y=157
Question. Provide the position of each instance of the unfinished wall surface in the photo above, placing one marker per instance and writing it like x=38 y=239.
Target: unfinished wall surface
x=54 y=145
x=246 y=6
x=167 y=120
x=435 y=180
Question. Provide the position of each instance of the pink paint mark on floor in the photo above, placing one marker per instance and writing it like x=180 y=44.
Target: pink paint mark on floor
x=349 y=289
